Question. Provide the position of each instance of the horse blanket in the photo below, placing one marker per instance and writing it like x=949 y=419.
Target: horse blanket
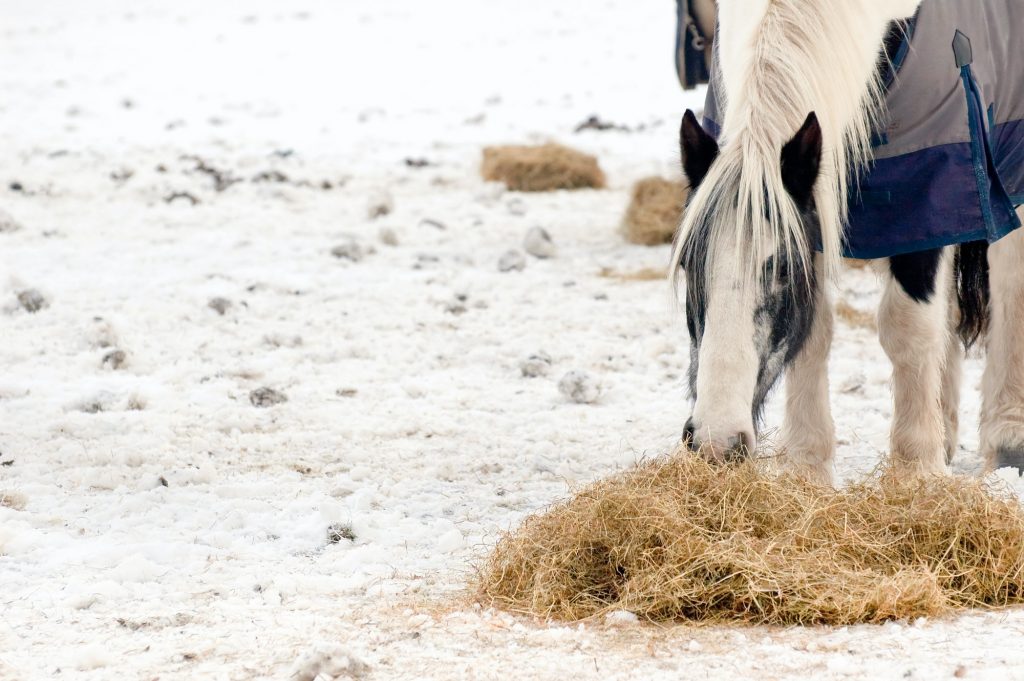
x=693 y=41
x=949 y=155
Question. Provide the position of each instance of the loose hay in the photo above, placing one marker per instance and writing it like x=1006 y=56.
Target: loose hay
x=654 y=211
x=642 y=274
x=541 y=168
x=680 y=539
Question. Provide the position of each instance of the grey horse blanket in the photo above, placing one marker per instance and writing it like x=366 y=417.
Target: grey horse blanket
x=949 y=159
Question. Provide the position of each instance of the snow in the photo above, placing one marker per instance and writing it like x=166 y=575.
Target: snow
x=164 y=526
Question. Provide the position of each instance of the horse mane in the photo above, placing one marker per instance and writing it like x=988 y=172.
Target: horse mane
x=778 y=61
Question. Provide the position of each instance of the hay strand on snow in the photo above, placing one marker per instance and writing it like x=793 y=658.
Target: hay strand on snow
x=681 y=539
x=541 y=168
x=654 y=211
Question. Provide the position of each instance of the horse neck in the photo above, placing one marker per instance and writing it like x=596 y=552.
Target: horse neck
x=782 y=59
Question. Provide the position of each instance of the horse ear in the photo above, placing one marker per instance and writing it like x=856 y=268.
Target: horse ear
x=698 y=148
x=801 y=161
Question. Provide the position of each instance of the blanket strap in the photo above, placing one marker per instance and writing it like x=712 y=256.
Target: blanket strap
x=691 y=62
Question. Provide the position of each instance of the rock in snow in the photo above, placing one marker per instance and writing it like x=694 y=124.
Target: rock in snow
x=32 y=300
x=219 y=305
x=379 y=204
x=115 y=359
x=538 y=243
x=579 y=387
x=266 y=397
x=350 y=249
x=516 y=207
x=512 y=261
x=536 y=365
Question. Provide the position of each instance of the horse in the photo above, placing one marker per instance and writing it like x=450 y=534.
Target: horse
x=802 y=101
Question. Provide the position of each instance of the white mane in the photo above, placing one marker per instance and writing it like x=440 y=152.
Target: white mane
x=779 y=60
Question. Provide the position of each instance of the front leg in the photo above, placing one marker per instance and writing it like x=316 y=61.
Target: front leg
x=808 y=434
x=913 y=325
x=1002 y=413
x=952 y=374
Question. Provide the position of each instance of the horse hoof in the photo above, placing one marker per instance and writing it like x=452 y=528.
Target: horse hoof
x=1010 y=457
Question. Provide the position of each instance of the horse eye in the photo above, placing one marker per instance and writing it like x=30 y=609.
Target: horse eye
x=775 y=269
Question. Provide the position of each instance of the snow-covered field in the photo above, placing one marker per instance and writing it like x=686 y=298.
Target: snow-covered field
x=156 y=523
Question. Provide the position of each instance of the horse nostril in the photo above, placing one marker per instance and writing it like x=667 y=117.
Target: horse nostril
x=739 y=447
x=689 y=432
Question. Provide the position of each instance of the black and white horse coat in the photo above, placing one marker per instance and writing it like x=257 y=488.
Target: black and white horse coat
x=935 y=208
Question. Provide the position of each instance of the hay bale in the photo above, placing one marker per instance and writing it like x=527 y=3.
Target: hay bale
x=654 y=211
x=542 y=168
x=681 y=539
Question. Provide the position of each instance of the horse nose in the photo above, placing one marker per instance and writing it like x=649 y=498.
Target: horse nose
x=735 y=449
x=739 y=447
x=689 y=434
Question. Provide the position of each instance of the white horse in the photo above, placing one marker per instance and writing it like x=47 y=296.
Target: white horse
x=802 y=96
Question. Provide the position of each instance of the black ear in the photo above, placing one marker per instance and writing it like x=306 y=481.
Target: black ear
x=801 y=161
x=699 y=149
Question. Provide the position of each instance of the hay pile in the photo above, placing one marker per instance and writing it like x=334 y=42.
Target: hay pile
x=654 y=211
x=542 y=168
x=681 y=539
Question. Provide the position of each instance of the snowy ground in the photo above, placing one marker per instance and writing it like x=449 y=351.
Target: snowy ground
x=154 y=523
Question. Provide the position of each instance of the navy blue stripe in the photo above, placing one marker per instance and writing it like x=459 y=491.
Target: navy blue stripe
x=933 y=199
x=711 y=127
x=974 y=121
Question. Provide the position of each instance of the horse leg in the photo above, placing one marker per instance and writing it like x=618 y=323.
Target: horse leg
x=808 y=435
x=952 y=373
x=1002 y=420
x=914 y=330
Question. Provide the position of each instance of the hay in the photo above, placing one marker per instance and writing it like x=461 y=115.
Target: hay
x=682 y=539
x=542 y=168
x=654 y=211
x=642 y=274
x=14 y=500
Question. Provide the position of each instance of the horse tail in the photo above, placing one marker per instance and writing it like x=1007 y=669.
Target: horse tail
x=972 y=290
